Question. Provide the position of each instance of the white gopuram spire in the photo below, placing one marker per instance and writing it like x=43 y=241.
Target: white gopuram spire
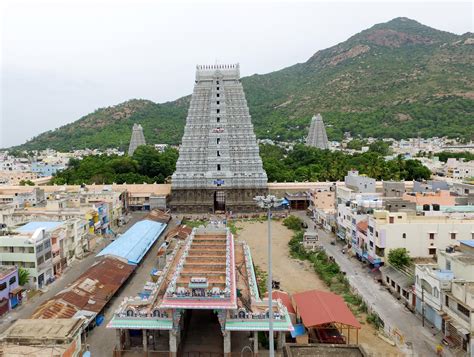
x=137 y=139
x=317 y=136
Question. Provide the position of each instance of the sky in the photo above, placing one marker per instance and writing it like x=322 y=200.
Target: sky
x=61 y=60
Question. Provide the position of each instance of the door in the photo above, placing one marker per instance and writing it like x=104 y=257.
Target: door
x=219 y=201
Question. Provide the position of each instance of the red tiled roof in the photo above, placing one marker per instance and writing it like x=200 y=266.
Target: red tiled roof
x=362 y=226
x=285 y=299
x=320 y=307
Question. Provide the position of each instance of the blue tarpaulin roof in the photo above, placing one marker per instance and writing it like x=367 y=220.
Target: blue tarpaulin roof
x=134 y=243
x=33 y=226
x=298 y=330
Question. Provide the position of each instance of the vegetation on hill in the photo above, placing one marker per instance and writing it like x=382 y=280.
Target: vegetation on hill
x=301 y=164
x=397 y=79
x=445 y=155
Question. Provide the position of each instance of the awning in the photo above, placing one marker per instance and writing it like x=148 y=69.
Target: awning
x=298 y=331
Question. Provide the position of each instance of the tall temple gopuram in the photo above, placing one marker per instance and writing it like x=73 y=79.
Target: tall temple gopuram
x=219 y=166
x=317 y=136
x=137 y=139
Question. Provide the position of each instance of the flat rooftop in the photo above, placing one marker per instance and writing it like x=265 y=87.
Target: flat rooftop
x=31 y=330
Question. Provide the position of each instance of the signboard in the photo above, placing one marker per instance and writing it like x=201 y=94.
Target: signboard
x=218 y=182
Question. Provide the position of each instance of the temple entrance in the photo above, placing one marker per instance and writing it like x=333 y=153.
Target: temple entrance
x=219 y=201
x=202 y=333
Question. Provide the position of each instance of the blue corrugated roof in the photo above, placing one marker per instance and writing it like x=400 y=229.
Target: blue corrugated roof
x=33 y=226
x=134 y=243
x=469 y=243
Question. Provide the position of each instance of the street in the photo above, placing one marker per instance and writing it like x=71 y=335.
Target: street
x=70 y=274
x=416 y=339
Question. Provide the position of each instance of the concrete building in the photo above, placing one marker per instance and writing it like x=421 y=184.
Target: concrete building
x=317 y=136
x=41 y=338
x=219 y=166
x=31 y=251
x=459 y=169
x=10 y=290
x=44 y=169
x=458 y=302
x=422 y=236
x=357 y=183
x=393 y=188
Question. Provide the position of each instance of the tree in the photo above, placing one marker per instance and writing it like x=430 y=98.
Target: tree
x=23 y=276
x=399 y=257
x=26 y=183
x=292 y=222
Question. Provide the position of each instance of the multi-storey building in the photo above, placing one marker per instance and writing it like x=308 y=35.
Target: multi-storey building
x=31 y=251
x=10 y=290
x=422 y=236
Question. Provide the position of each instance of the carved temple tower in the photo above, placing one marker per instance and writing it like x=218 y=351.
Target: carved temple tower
x=219 y=166
x=137 y=139
x=317 y=136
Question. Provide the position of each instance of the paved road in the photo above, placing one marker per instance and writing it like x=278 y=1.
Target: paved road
x=418 y=340
x=70 y=274
x=101 y=339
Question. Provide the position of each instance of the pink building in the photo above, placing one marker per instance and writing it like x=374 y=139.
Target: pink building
x=442 y=198
x=10 y=290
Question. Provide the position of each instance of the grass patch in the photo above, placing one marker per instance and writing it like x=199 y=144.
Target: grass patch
x=193 y=223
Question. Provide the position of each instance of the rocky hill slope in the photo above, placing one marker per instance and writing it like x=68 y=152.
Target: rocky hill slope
x=397 y=79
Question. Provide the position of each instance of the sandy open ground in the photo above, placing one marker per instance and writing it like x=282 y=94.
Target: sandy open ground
x=296 y=276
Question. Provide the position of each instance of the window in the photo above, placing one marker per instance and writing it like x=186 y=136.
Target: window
x=371 y=229
x=453 y=235
x=217 y=82
x=404 y=235
x=463 y=310
x=435 y=292
x=432 y=251
x=218 y=153
x=399 y=217
x=12 y=280
x=12 y=249
x=447 y=301
x=432 y=235
x=3 y=286
x=391 y=219
x=376 y=233
x=388 y=280
x=217 y=88
x=217 y=95
x=218 y=111
x=218 y=103
x=448 y=265
x=393 y=284
x=218 y=167
x=47 y=244
x=218 y=140
x=218 y=119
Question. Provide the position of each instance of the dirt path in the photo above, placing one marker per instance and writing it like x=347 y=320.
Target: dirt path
x=296 y=276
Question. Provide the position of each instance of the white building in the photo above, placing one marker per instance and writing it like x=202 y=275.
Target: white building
x=422 y=236
x=29 y=251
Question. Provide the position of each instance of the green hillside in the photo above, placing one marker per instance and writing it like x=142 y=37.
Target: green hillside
x=397 y=79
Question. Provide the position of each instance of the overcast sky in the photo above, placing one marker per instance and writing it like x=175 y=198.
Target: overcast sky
x=61 y=60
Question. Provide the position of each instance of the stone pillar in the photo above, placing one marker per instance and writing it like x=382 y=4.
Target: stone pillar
x=127 y=339
x=145 y=340
x=173 y=344
x=255 y=343
x=280 y=340
x=118 y=335
x=227 y=346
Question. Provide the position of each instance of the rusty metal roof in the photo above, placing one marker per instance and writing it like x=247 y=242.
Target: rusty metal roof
x=90 y=292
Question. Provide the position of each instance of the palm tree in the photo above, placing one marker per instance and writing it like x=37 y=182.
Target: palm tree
x=23 y=276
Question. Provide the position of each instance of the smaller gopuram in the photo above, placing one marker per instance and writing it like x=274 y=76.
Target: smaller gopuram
x=317 y=136
x=137 y=139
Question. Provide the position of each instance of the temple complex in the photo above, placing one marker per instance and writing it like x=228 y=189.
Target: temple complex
x=202 y=295
x=317 y=136
x=219 y=166
x=137 y=139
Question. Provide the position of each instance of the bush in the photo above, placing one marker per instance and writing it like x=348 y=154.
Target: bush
x=292 y=222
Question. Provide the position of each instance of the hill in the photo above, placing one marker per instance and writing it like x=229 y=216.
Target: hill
x=397 y=79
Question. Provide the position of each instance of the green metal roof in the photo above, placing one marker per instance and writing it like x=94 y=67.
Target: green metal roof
x=138 y=323
x=257 y=325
